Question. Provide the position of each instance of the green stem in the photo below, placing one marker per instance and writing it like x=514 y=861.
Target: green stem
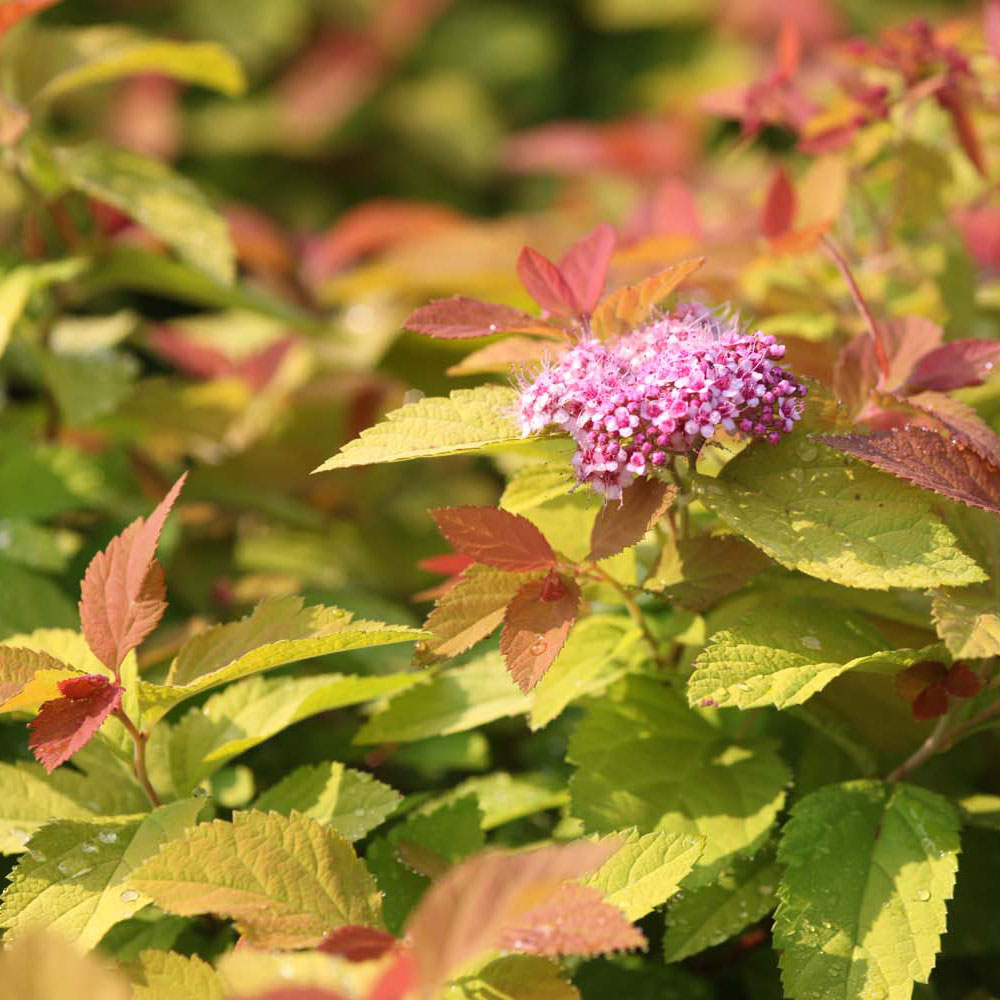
x=139 y=757
x=635 y=612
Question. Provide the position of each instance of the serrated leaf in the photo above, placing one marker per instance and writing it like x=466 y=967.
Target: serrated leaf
x=122 y=597
x=868 y=870
x=928 y=460
x=644 y=759
x=646 y=870
x=957 y=420
x=29 y=677
x=351 y=802
x=96 y=55
x=537 y=484
x=954 y=365
x=467 y=420
x=66 y=724
x=285 y=881
x=621 y=525
x=164 y=202
x=812 y=510
x=505 y=797
x=495 y=537
x=165 y=975
x=471 y=610
x=251 y=712
x=785 y=653
x=75 y=875
x=631 y=306
x=278 y=631
x=514 y=977
x=741 y=895
x=451 y=701
x=535 y=626
x=460 y=317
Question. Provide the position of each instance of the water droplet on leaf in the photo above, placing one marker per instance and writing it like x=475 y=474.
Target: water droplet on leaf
x=129 y=896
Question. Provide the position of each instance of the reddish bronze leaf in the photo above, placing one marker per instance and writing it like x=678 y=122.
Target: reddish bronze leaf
x=913 y=680
x=962 y=681
x=495 y=537
x=931 y=703
x=926 y=459
x=17 y=10
x=545 y=283
x=905 y=340
x=358 y=944
x=575 y=920
x=66 y=724
x=621 y=525
x=461 y=317
x=954 y=365
x=856 y=373
x=778 y=212
x=122 y=597
x=535 y=627
x=958 y=419
x=585 y=266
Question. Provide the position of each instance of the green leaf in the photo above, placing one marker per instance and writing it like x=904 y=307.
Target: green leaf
x=451 y=701
x=646 y=870
x=596 y=654
x=537 y=484
x=87 y=56
x=467 y=420
x=644 y=759
x=351 y=802
x=249 y=713
x=514 y=977
x=167 y=204
x=18 y=285
x=787 y=651
x=814 y=510
x=149 y=929
x=868 y=870
x=74 y=877
x=36 y=547
x=29 y=600
x=279 y=631
x=286 y=881
x=707 y=916
x=87 y=387
x=505 y=797
x=165 y=975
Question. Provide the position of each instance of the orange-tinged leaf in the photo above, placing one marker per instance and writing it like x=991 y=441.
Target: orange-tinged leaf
x=960 y=420
x=800 y=240
x=462 y=317
x=545 y=283
x=585 y=266
x=471 y=609
x=66 y=724
x=29 y=678
x=619 y=526
x=630 y=306
x=856 y=373
x=357 y=943
x=122 y=597
x=575 y=920
x=923 y=457
x=535 y=626
x=788 y=51
x=466 y=913
x=495 y=537
x=17 y=10
x=511 y=352
x=778 y=212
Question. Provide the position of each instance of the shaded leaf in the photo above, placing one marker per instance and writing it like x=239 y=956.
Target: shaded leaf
x=461 y=317
x=545 y=283
x=495 y=537
x=66 y=724
x=585 y=266
x=621 y=525
x=285 y=881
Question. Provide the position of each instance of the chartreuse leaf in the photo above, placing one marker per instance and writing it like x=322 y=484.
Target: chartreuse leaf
x=505 y=797
x=451 y=701
x=351 y=802
x=279 y=631
x=868 y=870
x=704 y=917
x=514 y=977
x=817 y=511
x=28 y=678
x=285 y=880
x=645 y=759
x=467 y=420
x=249 y=713
x=19 y=283
x=165 y=975
x=87 y=56
x=167 y=204
x=74 y=877
x=787 y=651
x=646 y=870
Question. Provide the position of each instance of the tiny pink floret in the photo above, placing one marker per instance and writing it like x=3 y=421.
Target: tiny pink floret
x=663 y=388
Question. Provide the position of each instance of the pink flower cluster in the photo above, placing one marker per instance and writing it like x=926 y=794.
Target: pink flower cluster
x=662 y=388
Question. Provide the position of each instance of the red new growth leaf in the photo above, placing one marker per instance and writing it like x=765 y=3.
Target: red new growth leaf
x=926 y=459
x=463 y=317
x=621 y=525
x=962 y=681
x=123 y=595
x=17 y=10
x=931 y=703
x=960 y=420
x=358 y=944
x=779 y=206
x=574 y=921
x=66 y=724
x=585 y=266
x=856 y=373
x=447 y=564
x=495 y=537
x=911 y=681
x=955 y=365
x=545 y=283
x=535 y=627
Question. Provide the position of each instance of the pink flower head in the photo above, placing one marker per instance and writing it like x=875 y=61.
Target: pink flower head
x=662 y=388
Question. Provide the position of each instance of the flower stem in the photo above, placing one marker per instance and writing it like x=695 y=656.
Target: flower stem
x=139 y=757
x=635 y=612
x=934 y=743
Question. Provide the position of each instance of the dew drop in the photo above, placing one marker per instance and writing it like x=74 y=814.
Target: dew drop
x=742 y=687
x=923 y=895
x=199 y=792
x=107 y=836
x=129 y=896
x=83 y=871
x=538 y=647
x=89 y=848
x=811 y=642
x=37 y=855
x=94 y=806
x=806 y=450
x=20 y=835
x=766 y=890
x=64 y=867
x=493 y=328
